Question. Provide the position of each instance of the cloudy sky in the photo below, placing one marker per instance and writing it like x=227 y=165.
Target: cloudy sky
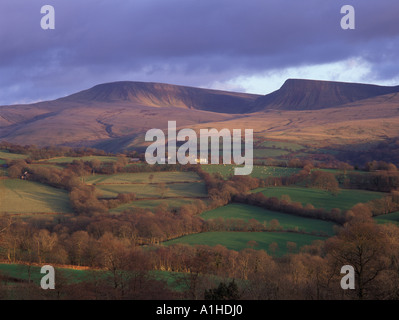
x=249 y=46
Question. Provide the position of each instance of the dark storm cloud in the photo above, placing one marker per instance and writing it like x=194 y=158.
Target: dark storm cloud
x=191 y=42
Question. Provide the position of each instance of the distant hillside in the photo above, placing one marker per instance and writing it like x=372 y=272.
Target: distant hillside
x=115 y=116
x=296 y=94
x=166 y=95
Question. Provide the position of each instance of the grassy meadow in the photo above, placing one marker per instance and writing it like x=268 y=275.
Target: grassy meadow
x=26 y=272
x=282 y=145
x=171 y=203
x=4 y=155
x=65 y=160
x=68 y=275
x=144 y=178
x=388 y=218
x=345 y=200
x=239 y=240
x=27 y=197
x=269 y=153
x=190 y=190
x=287 y=221
x=257 y=171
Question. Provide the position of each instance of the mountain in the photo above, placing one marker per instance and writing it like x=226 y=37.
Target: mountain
x=115 y=116
x=296 y=94
x=117 y=110
x=166 y=95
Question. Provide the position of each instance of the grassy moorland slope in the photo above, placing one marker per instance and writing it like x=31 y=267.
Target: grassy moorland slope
x=19 y=196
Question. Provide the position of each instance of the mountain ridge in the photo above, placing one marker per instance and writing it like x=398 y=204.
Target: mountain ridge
x=303 y=94
x=167 y=95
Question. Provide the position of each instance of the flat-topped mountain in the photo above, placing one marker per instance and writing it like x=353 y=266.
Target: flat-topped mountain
x=296 y=94
x=166 y=95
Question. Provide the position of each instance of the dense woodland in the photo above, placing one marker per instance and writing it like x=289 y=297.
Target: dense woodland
x=127 y=245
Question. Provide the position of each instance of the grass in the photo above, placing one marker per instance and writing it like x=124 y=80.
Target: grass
x=388 y=218
x=257 y=171
x=239 y=240
x=152 y=204
x=19 y=196
x=158 y=177
x=339 y=172
x=11 y=156
x=345 y=200
x=269 y=153
x=50 y=166
x=282 y=145
x=174 y=280
x=287 y=221
x=87 y=158
x=177 y=190
x=20 y=271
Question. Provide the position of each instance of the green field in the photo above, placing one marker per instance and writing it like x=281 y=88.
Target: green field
x=20 y=271
x=388 y=218
x=157 y=177
x=287 y=221
x=345 y=200
x=11 y=156
x=269 y=153
x=172 y=203
x=67 y=275
x=239 y=240
x=50 y=166
x=176 y=190
x=282 y=145
x=19 y=196
x=257 y=171
x=87 y=158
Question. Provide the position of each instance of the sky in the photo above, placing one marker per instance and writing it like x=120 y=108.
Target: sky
x=248 y=46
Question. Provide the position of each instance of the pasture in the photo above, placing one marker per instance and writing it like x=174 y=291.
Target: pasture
x=70 y=276
x=269 y=153
x=5 y=155
x=43 y=165
x=86 y=158
x=239 y=240
x=282 y=145
x=287 y=221
x=345 y=200
x=171 y=203
x=257 y=171
x=27 y=197
x=388 y=218
x=143 y=178
x=26 y=272
x=175 y=190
